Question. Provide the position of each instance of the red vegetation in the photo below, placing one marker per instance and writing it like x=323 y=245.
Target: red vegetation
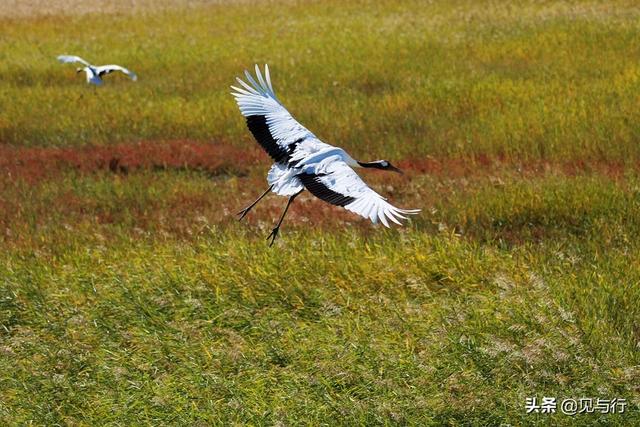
x=35 y=164
x=458 y=167
x=189 y=212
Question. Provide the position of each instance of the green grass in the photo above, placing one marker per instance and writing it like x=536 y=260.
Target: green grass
x=528 y=80
x=422 y=329
x=137 y=299
x=499 y=293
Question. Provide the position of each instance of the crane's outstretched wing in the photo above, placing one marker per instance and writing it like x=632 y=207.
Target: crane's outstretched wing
x=269 y=122
x=106 y=69
x=66 y=59
x=340 y=185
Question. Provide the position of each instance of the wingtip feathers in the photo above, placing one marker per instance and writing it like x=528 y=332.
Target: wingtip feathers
x=260 y=84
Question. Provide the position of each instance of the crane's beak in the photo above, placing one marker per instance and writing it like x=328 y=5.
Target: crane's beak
x=395 y=169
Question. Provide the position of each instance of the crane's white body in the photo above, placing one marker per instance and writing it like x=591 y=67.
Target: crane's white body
x=314 y=157
x=92 y=76
x=94 y=73
x=302 y=161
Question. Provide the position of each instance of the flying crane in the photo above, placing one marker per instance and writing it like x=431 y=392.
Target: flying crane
x=94 y=73
x=302 y=161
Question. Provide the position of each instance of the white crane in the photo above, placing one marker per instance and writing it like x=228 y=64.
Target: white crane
x=94 y=73
x=302 y=161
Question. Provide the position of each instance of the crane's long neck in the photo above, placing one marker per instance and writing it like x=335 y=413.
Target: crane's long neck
x=372 y=165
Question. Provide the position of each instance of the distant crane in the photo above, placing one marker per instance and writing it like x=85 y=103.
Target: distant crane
x=94 y=73
x=302 y=161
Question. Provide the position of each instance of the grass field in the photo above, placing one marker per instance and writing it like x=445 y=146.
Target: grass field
x=130 y=295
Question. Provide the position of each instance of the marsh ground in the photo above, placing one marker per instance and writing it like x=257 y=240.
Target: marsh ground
x=129 y=293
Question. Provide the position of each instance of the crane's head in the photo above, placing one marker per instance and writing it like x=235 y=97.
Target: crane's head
x=79 y=70
x=380 y=164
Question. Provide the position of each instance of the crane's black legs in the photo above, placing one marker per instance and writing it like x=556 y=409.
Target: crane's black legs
x=274 y=232
x=246 y=210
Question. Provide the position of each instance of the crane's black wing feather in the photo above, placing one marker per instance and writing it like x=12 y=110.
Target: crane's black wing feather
x=316 y=187
x=271 y=124
x=261 y=132
x=337 y=183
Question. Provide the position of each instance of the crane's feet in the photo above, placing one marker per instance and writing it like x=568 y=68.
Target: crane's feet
x=244 y=212
x=273 y=235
